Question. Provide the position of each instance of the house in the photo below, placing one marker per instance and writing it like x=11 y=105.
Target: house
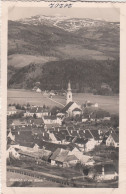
x=11 y=136
x=80 y=142
x=35 y=88
x=11 y=110
x=88 y=104
x=97 y=134
x=52 y=120
x=58 y=136
x=90 y=145
x=38 y=122
x=105 y=172
x=34 y=154
x=84 y=119
x=38 y=90
x=106 y=86
x=63 y=158
x=40 y=133
x=12 y=153
x=39 y=112
x=19 y=122
x=113 y=140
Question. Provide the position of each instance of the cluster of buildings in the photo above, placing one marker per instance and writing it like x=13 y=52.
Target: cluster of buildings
x=40 y=136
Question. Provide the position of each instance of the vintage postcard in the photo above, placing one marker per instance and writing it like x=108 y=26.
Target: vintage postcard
x=63 y=97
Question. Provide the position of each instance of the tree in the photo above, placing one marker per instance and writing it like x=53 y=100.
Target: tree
x=34 y=116
x=55 y=110
x=28 y=105
x=115 y=120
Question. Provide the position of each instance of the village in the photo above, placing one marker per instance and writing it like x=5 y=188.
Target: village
x=71 y=146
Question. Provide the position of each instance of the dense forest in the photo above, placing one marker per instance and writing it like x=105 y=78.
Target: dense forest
x=85 y=76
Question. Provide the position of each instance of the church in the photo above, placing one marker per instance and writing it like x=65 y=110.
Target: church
x=71 y=108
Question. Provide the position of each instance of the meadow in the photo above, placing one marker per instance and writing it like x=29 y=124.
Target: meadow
x=108 y=103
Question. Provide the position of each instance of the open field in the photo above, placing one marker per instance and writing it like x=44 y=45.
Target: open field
x=20 y=60
x=108 y=103
x=27 y=96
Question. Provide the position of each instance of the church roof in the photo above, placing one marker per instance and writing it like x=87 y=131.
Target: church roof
x=67 y=107
x=77 y=109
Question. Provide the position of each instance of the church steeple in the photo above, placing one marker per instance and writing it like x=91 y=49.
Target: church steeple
x=69 y=86
x=69 y=93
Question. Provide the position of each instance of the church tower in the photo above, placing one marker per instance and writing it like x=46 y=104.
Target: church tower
x=69 y=94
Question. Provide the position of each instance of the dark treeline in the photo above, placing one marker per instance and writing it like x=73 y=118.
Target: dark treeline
x=85 y=76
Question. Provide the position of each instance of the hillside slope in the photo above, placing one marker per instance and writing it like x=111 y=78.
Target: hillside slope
x=55 y=75
x=88 y=42
x=54 y=50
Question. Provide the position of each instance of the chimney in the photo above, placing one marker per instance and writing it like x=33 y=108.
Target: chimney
x=71 y=131
x=43 y=134
x=18 y=132
x=58 y=129
x=99 y=132
x=84 y=131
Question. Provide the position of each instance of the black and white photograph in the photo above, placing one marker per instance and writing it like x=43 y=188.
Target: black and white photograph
x=63 y=69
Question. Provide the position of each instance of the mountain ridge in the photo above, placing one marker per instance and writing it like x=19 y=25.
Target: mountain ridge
x=50 y=46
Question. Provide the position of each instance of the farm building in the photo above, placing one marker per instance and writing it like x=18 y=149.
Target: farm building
x=38 y=111
x=11 y=110
x=113 y=140
x=63 y=158
x=52 y=120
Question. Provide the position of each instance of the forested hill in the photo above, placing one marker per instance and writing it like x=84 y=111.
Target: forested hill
x=53 y=50
x=83 y=74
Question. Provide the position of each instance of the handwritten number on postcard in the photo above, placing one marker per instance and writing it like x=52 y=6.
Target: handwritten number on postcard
x=60 y=5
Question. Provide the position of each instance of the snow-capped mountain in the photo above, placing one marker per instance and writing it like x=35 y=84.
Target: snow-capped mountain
x=66 y=23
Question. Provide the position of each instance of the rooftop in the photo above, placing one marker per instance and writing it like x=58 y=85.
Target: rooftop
x=65 y=109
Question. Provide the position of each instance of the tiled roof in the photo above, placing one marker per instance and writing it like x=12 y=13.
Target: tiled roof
x=71 y=146
x=85 y=134
x=50 y=117
x=95 y=134
x=59 y=155
x=49 y=126
x=59 y=128
x=70 y=158
x=37 y=121
x=74 y=133
x=23 y=137
x=49 y=145
x=70 y=128
x=67 y=107
x=69 y=138
x=115 y=137
x=60 y=135
x=37 y=110
x=17 y=122
x=11 y=108
x=81 y=141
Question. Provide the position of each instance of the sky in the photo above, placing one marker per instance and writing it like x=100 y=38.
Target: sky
x=108 y=14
